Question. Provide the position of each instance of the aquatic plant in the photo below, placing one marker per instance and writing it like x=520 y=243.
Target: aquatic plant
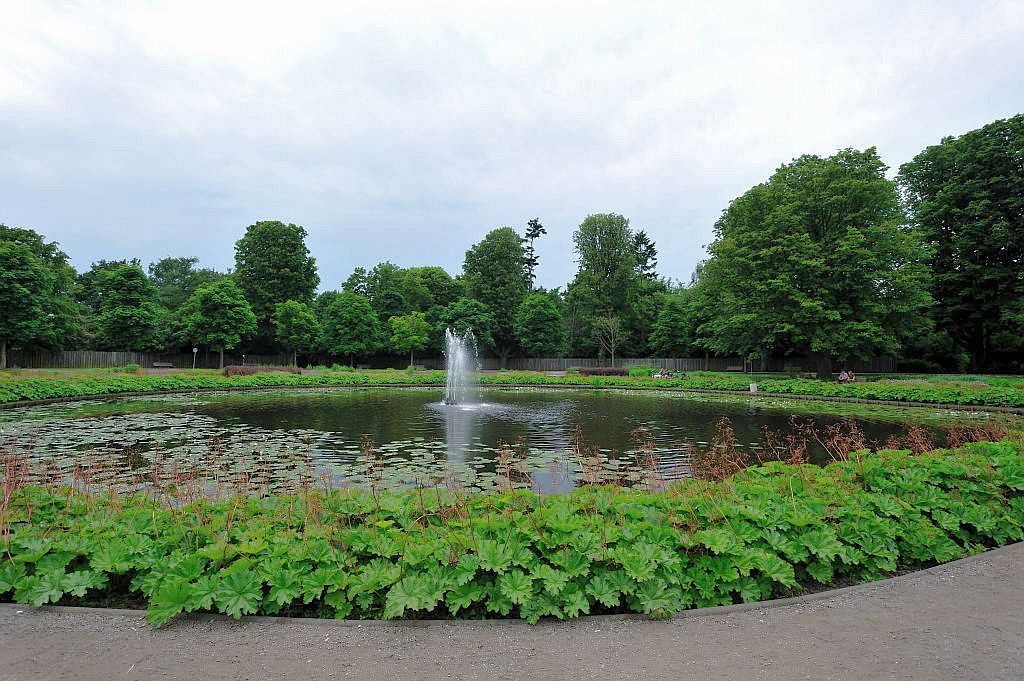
x=766 y=531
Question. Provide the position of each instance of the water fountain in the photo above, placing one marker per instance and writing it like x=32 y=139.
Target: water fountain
x=461 y=366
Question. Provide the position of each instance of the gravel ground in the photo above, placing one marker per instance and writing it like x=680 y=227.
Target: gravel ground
x=960 y=621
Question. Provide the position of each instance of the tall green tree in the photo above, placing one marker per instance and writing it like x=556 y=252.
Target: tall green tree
x=673 y=334
x=431 y=286
x=606 y=250
x=90 y=292
x=218 y=316
x=539 y=326
x=296 y=327
x=814 y=262
x=534 y=230
x=351 y=327
x=467 y=314
x=966 y=198
x=494 y=274
x=176 y=278
x=51 y=316
x=646 y=255
x=273 y=265
x=322 y=302
x=24 y=289
x=616 y=278
x=386 y=287
x=129 y=316
x=356 y=282
x=409 y=333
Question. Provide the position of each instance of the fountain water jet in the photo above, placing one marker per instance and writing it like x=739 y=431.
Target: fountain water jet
x=461 y=366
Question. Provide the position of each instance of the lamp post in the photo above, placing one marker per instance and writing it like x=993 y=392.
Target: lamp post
x=194 y=352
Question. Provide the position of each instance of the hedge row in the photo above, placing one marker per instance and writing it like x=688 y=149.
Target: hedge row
x=86 y=385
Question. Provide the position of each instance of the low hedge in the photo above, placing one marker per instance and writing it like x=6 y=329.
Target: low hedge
x=769 y=531
x=602 y=371
x=249 y=370
x=92 y=385
x=902 y=391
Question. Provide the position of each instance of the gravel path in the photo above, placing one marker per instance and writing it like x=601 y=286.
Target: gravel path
x=960 y=621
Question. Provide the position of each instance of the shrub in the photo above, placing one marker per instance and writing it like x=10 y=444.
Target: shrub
x=341 y=367
x=129 y=369
x=1003 y=391
x=642 y=371
x=768 y=531
x=249 y=370
x=603 y=371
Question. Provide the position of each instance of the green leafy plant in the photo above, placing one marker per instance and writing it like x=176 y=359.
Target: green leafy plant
x=1005 y=393
x=768 y=531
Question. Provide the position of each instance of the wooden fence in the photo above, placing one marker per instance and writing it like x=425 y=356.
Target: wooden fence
x=94 y=359
x=88 y=359
x=780 y=364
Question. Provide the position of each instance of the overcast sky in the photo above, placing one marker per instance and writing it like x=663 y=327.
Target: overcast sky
x=396 y=133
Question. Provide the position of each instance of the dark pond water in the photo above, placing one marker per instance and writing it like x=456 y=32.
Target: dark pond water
x=272 y=438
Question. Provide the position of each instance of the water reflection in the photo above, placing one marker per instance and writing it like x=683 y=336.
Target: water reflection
x=462 y=430
x=412 y=432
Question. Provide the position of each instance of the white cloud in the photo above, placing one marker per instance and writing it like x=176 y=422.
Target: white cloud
x=405 y=131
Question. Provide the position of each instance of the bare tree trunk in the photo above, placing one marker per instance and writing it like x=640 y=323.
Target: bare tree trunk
x=295 y=358
x=222 y=358
x=3 y=353
x=410 y=357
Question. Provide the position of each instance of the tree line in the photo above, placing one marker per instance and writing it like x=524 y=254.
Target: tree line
x=828 y=259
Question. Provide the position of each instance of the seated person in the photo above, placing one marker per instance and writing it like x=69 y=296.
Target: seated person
x=844 y=376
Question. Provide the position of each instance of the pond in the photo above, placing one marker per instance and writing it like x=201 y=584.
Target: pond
x=538 y=438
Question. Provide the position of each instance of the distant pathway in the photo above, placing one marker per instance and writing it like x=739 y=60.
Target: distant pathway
x=964 y=620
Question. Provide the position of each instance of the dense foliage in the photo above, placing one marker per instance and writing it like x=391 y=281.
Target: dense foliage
x=273 y=265
x=23 y=296
x=966 y=197
x=495 y=274
x=218 y=316
x=409 y=333
x=1000 y=394
x=616 y=281
x=466 y=314
x=768 y=531
x=350 y=327
x=538 y=324
x=296 y=327
x=814 y=262
x=38 y=294
x=128 y=315
x=176 y=279
x=821 y=263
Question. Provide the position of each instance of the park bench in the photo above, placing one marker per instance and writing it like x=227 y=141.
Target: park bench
x=418 y=367
x=734 y=367
x=557 y=374
x=162 y=365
